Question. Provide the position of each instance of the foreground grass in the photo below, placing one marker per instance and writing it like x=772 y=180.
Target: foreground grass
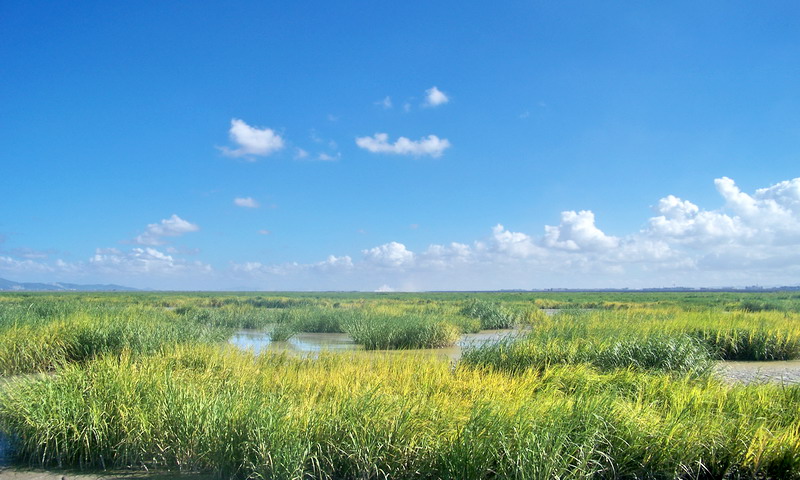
x=397 y=416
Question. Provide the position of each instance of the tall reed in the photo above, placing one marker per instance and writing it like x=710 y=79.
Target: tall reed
x=399 y=416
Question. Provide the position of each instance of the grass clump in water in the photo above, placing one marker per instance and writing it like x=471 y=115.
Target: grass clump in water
x=378 y=331
x=493 y=316
x=679 y=354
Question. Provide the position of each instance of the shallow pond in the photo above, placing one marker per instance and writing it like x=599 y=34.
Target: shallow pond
x=313 y=343
x=785 y=372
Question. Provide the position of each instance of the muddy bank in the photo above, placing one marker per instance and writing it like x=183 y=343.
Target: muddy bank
x=783 y=372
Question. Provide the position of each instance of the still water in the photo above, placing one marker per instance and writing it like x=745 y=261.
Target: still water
x=313 y=343
x=786 y=372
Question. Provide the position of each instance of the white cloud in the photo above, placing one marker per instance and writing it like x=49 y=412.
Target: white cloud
x=245 y=202
x=684 y=222
x=264 y=231
x=577 y=231
x=173 y=226
x=300 y=154
x=333 y=263
x=142 y=261
x=15 y=266
x=435 y=97
x=753 y=238
x=386 y=103
x=384 y=289
x=446 y=256
x=513 y=244
x=324 y=157
x=392 y=254
x=379 y=143
x=774 y=209
x=252 y=141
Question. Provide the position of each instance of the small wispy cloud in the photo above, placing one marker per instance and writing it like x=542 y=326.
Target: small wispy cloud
x=379 y=143
x=386 y=103
x=435 y=97
x=328 y=158
x=264 y=231
x=300 y=154
x=252 y=141
x=173 y=226
x=245 y=202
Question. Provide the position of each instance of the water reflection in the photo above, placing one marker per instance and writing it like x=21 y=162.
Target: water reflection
x=311 y=343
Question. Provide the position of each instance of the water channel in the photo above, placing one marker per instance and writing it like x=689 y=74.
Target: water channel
x=313 y=343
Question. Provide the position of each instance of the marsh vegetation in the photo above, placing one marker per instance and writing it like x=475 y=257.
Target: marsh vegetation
x=617 y=386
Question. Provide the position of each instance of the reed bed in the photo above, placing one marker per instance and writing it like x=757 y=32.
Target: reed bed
x=385 y=331
x=491 y=315
x=41 y=345
x=679 y=354
x=666 y=340
x=203 y=408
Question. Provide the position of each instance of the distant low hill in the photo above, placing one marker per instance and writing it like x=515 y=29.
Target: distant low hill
x=10 y=286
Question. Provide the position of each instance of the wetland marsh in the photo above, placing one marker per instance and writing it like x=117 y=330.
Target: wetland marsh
x=403 y=385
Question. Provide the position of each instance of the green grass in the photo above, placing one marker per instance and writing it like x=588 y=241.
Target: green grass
x=678 y=353
x=380 y=331
x=613 y=386
x=42 y=345
x=492 y=316
x=396 y=416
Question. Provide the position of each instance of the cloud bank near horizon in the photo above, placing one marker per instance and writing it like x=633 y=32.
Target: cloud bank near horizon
x=751 y=239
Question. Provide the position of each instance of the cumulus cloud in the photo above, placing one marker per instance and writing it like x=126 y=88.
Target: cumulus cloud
x=435 y=97
x=379 y=143
x=245 y=202
x=252 y=141
x=142 y=261
x=751 y=238
x=335 y=263
x=683 y=222
x=774 y=210
x=446 y=256
x=512 y=244
x=173 y=226
x=577 y=231
x=392 y=254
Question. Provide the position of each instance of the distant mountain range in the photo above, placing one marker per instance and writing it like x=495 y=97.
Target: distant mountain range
x=9 y=286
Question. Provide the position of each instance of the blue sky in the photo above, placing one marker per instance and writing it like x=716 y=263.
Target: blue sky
x=406 y=146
